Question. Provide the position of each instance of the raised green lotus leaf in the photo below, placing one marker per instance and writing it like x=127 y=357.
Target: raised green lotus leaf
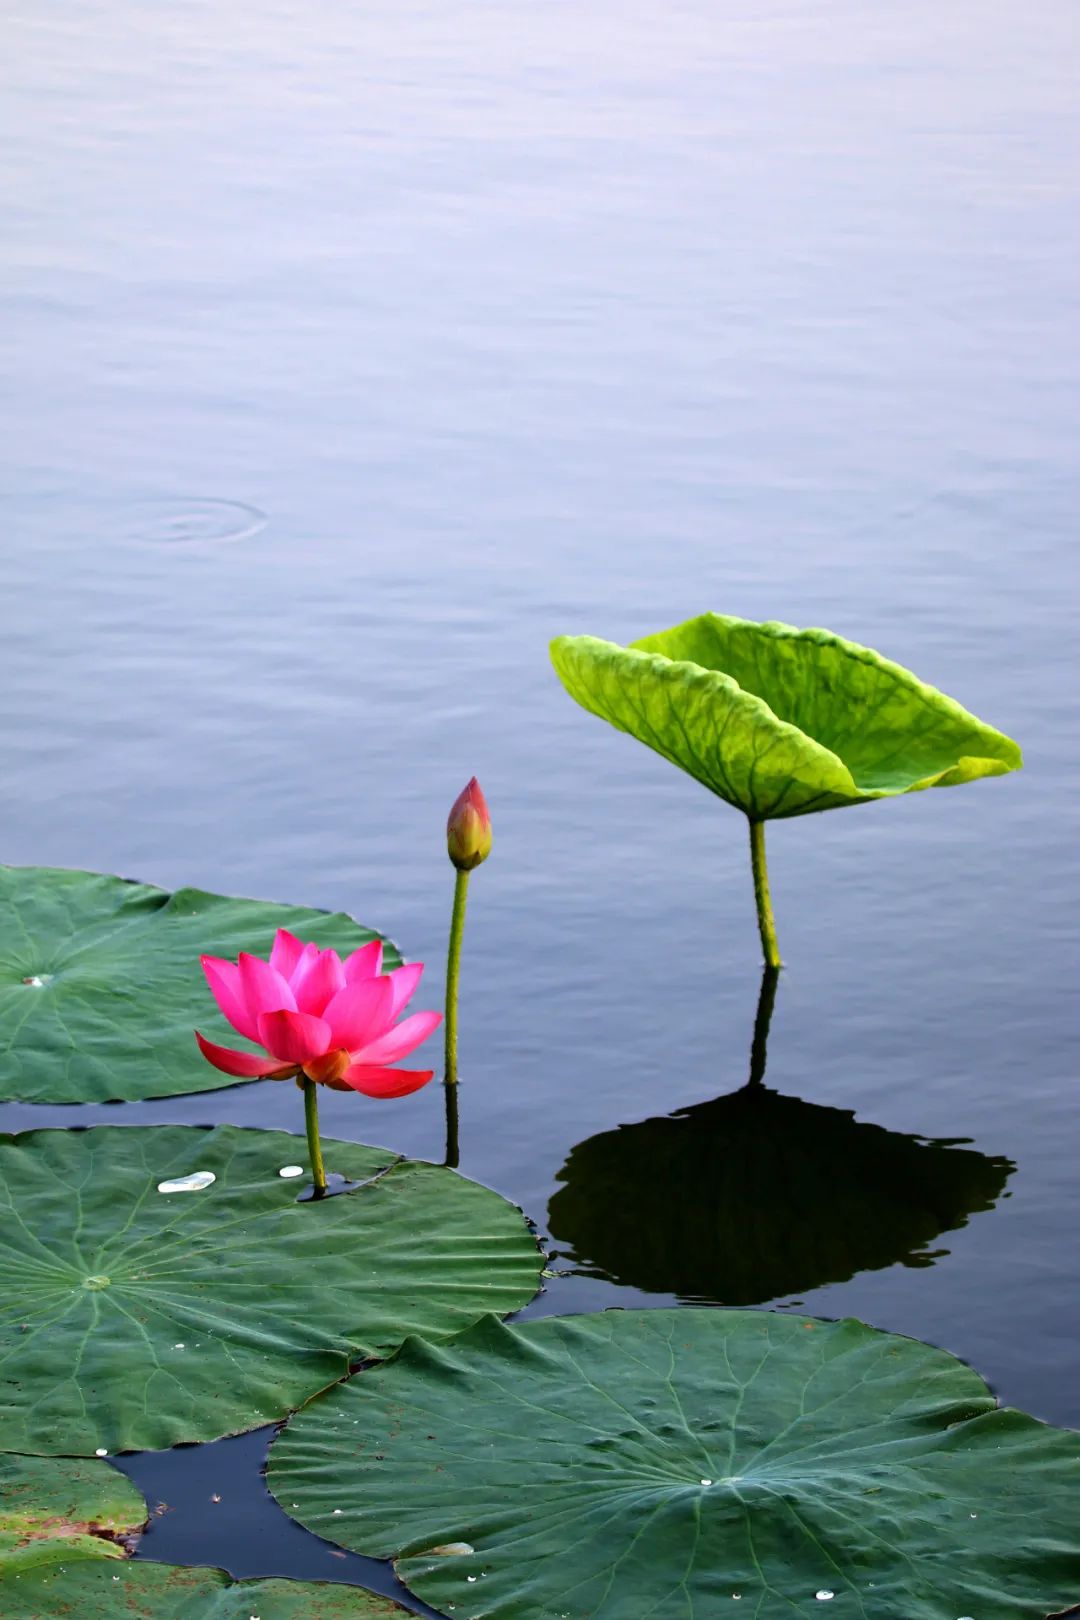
x=53 y=1509
x=100 y=983
x=781 y=722
x=757 y=1196
x=78 y=1589
x=667 y=1463
x=133 y=1318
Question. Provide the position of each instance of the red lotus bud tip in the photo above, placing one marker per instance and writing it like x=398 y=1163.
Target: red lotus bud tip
x=468 y=829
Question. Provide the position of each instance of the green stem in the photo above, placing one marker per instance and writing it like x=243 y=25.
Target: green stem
x=766 y=925
x=453 y=973
x=311 y=1122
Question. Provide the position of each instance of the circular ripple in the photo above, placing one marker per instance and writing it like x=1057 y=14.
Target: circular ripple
x=188 y=521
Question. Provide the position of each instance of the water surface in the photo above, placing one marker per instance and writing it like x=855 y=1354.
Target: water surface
x=353 y=352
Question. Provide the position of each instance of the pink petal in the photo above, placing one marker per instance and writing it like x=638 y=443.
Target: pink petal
x=248 y=1064
x=263 y=988
x=317 y=980
x=308 y=955
x=364 y=963
x=405 y=981
x=294 y=1037
x=375 y=1081
x=361 y=1012
x=399 y=1041
x=286 y=952
x=225 y=987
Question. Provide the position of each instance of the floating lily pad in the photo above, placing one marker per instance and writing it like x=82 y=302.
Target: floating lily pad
x=100 y=983
x=133 y=1319
x=53 y=1509
x=65 y=1523
x=755 y=1196
x=781 y=722
x=667 y=1463
x=83 y=1590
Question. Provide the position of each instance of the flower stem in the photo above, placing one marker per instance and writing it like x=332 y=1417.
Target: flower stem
x=452 y=1157
x=453 y=972
x=766 y=925
x=311 y=1122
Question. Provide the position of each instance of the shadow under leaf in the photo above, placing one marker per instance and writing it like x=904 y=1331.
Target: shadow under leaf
x=756 y=1195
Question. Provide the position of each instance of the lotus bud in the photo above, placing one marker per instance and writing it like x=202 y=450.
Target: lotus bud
x=468 y=829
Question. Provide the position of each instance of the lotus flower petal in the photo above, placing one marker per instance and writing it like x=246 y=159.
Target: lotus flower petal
x=365 y=963
x=404 y=981
x=399 y=1041
x=225 y=986
x=361 y=1012
x=317 y=980
x=286 y=952
x=376 y=1081
x=294 y=1037
x=247 y=1065
x=263 y=987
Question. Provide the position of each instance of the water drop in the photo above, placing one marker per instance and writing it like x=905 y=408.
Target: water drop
x=337 y=1513
x=973 y=1515
x=38 y=981
x=101 y=1452
x=290 y=1170
x=470 y=1578
x=824 y=1595
x=706 y=1482
x=179 y=1347
x=193 y=1183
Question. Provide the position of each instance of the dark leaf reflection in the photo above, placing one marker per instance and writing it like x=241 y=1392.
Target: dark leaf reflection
x=756 y=1196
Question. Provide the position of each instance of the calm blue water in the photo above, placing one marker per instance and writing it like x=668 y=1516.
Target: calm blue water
x=354 y=351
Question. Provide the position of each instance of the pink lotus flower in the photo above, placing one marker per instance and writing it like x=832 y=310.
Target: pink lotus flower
x=315 y=1015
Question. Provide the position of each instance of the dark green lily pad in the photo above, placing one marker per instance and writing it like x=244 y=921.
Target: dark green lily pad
x=81 y=1590
x=756 y=1196
x=58 y=1508
x=65 y=1525
x=781 y=722
x=100 y=983
x=672 y=1463
x=133 y=1319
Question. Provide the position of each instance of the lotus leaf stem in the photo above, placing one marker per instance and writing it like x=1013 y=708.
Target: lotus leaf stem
x=311 y=1122
x=453 y=974
x=762 y=1020
x=766 y=925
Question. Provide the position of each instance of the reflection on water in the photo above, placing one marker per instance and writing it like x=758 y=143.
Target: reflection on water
x=755 y=1195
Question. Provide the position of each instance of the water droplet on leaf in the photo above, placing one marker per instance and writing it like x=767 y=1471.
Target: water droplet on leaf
x=193 y=1183
x=290 y=1170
